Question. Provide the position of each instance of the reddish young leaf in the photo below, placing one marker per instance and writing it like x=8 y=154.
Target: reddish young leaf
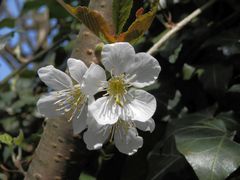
x=139 y=12
x=138 y=27
x=93 y=20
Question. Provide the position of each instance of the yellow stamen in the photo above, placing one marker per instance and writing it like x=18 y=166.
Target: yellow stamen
x=117 y=88
x=71 y=101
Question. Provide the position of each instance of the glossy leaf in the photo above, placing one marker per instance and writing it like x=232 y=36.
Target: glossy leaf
x=207 y=144
x=164 y=159
x=213 y=79
x=93 y=20
x=121 y=11
x=235 y=88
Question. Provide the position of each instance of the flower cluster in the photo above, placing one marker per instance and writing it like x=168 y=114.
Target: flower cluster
x=115 y=116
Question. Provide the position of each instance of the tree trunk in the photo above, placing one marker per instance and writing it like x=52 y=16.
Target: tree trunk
x=59 y=155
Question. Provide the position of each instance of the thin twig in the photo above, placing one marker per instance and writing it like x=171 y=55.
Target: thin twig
x=17 y=161
x=39 y=55
x=179 y=26
x=7 y=59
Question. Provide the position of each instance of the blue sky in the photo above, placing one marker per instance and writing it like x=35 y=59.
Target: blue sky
x=32 y=34
x=4 y=68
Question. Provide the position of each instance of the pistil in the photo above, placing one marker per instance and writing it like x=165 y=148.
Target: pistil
x=117 y=88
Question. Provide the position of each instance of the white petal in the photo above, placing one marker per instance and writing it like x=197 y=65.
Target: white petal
x=92 y=79
x=142 y=106
x=117 y=57
x=54 y=78
x=80 y=120
x=127 y=142
x=105 y=111
x=145 y=70
x=149 y=125
x=47 y=107
x=77 y=69
x=96 y=135
x=91 y=100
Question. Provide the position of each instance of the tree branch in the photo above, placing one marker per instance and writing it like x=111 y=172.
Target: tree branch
x=59 y=155
x=179 y=26
x=36 y=57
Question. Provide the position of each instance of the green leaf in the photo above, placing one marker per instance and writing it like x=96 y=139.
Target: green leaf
x=216 y=77
x=227 y=42
x=121 y=11
x=6 y=139
x=174 y=102
x=32 y=4
x=235 y=88
x=19 y=139
x=173 y=58
x=207 y=144
x=165 y=159
x=187 y=71
x=10 y=124
x=7 y=97
x=85 y=176
x=8 y=22
x=229 y=120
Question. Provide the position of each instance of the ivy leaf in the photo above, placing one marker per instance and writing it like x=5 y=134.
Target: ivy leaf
x=235 y=88
x=207 y=145
x=121 y=11
x=19 y=139
x=165 y=159
x=93 y=20
x=138 y=27
x=6 y=139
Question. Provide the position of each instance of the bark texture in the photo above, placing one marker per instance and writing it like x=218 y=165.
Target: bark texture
x=59 y=155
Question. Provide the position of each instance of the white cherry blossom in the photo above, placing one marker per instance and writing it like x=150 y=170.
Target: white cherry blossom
x=71 y=92
x=124 y=107
x=128 y=72
x=123 y=133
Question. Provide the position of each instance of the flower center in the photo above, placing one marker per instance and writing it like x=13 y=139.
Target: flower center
x=117 y=88
x=71 y=100
x=77 y=96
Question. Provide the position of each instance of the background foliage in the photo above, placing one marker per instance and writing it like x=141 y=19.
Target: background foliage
x=198 y=90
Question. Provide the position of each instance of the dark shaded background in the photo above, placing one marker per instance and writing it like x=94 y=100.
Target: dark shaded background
x=200 y=65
